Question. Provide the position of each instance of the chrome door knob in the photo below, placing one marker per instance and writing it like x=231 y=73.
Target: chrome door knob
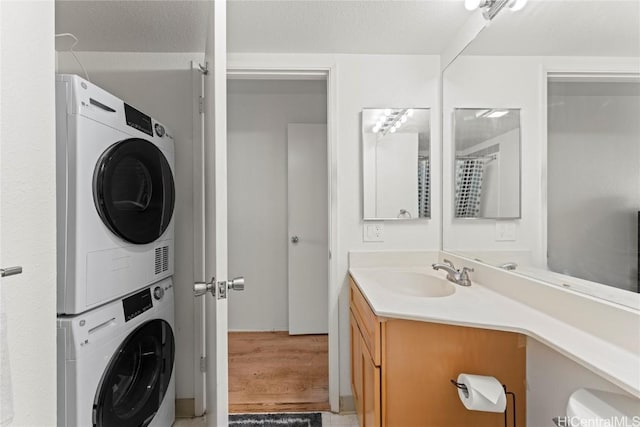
x=201 y=288
x=295 y=239
x=237 y=284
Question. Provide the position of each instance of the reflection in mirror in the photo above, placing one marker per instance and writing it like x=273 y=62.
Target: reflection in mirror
x=487 y=163
x=593 y=179
x=574 y=73
x=395 y=163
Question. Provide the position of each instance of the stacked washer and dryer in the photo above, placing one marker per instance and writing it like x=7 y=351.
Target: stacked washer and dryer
x=115 y=303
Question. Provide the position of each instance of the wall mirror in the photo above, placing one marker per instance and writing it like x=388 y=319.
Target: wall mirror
x=573 y=72
x=486 y=163
x=396 y=163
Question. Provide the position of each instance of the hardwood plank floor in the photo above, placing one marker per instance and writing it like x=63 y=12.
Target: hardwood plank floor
x=278 y=372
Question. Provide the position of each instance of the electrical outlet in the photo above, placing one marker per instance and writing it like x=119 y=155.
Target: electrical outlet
x=505 y=231
x=373 y=232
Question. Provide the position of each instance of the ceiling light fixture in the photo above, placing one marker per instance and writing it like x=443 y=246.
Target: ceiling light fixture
x=494 y=114
x=490 y=8
x=391 y=120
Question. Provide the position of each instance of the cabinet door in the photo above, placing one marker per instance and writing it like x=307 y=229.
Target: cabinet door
x=370 y=390
x=356 y=368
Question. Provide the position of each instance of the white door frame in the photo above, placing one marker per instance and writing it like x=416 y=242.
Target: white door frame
x=199 y=320
x=288 y=73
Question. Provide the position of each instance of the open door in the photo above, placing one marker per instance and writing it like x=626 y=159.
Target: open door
x=211 y=218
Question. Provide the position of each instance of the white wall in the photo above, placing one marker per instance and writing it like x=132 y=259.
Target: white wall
x=160 y=85
x=27 y=211
x=258 y=114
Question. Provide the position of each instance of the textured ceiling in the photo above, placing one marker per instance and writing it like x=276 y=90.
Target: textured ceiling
x=383 y=27
x=133 y=25
x=543 y=27
x=564 y=28
x=283 y=26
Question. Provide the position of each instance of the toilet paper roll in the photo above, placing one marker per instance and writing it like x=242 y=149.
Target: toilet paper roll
x=484 y=393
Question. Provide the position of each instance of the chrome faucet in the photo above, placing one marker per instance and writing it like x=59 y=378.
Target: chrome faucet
x=459 y=277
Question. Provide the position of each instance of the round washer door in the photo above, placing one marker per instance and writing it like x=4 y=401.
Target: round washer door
x=137 y=377
x=133 y=190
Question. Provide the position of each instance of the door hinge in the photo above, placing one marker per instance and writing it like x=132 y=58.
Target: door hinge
x=201 y=104
x=203 y=364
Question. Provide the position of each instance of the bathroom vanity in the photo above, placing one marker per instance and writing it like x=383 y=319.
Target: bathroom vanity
x=412 y=331
x=401 y=369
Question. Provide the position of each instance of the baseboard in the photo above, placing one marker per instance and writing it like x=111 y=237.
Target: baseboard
x=185 y=408
x=347 y=405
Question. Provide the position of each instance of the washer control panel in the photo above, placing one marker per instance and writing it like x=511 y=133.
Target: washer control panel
x=137 y=304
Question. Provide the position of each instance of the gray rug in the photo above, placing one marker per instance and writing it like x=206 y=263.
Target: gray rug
x=306 y=419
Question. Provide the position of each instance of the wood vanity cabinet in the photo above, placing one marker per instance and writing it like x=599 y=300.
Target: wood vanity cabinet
x=400 y=370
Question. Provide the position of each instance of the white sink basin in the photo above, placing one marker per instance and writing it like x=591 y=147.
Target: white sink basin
x=414 y=284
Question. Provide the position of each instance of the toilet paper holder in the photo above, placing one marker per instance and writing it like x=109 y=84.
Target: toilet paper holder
x=465 y=391
x=462 y=387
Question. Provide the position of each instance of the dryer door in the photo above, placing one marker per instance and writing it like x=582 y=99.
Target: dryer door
x=133 y=190
x=137 y=377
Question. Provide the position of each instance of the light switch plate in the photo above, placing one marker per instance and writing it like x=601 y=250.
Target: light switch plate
x=505 y=231
x=373 y=232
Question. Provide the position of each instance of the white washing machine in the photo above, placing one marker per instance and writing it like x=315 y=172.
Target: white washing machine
x=115 y=197
x=115 y=363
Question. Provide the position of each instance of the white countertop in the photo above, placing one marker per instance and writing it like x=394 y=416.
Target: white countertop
x=480 y=307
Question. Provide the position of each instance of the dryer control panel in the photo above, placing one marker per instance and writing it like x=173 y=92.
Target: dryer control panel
x=137 y=304
x=138 y=120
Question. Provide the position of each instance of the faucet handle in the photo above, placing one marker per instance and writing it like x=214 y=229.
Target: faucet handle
x=463 y=278
x=449 y=263
x=466 y=270
x=509 y=265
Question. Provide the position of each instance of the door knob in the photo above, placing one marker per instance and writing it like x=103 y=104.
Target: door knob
x=295 y=239
x=10 y=271
x=201 y=288
x=237 y=284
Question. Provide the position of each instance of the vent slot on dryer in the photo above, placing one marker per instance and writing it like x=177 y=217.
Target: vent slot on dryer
x=162 y=259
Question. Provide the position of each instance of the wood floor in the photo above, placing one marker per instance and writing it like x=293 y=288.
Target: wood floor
x=276 y=372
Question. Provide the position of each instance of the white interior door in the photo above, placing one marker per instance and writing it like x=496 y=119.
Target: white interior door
x=308 y=211
x=27 y=215
x=211 y=218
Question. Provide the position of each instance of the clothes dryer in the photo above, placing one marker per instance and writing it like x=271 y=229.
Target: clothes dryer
x=116 y=362
x=115 y=197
